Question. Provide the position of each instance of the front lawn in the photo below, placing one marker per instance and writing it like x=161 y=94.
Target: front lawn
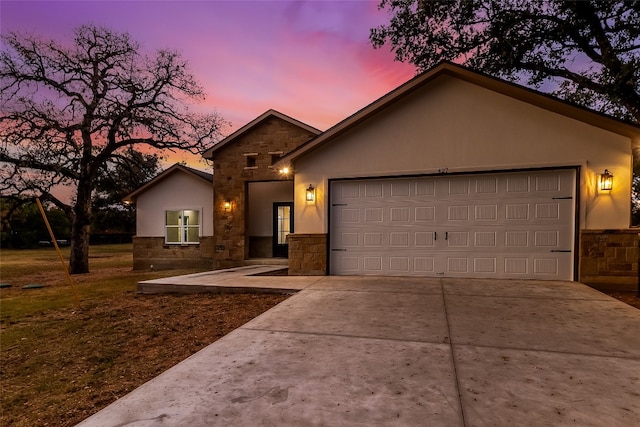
x=61 y=362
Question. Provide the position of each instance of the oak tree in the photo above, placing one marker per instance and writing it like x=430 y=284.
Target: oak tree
x=587 y=52
x=120 y=177
x=69 y=110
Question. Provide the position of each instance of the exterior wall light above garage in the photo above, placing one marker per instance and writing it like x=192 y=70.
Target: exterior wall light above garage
x=606 y=181
x=285 y=171
x=311 y=194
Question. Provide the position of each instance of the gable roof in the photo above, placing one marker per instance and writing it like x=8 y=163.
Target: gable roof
x=252 y=124
x=504 y=87
x=176 y=168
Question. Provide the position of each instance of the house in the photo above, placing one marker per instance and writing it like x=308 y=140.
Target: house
x=452 y=174
x=459 y=174
x=174 y=220
x=244 y=213
x=253 y=202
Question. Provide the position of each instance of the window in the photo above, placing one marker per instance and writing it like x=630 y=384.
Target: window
x=251 y=160
x=284 y=224
x=275 y=157
x=182 y=227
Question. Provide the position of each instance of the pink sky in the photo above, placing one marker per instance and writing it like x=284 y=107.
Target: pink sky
x=311 y=60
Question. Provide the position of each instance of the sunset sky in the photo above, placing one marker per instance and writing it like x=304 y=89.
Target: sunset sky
x=311 y=60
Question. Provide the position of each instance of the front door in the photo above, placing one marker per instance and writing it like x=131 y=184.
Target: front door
x=282 y=226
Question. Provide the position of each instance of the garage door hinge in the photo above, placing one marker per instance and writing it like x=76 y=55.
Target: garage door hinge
x=339 y=204
x=560 y=250
x=339 y=250
x=562 y=198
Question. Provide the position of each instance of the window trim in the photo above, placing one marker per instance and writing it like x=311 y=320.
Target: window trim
x=182 y=228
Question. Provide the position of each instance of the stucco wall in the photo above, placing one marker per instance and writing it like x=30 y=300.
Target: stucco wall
x=458 y=126
x=178 y=191
x=262 y=195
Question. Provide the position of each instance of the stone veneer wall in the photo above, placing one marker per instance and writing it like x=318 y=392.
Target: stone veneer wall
x=148 y=251
x=232 y=175
x=609 y=259
x=307 y=254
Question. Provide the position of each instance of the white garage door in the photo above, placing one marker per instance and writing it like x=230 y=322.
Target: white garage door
x=505 y=225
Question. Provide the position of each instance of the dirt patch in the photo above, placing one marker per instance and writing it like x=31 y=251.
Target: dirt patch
x=630 y=298
x=64 y=365
x=281 y=272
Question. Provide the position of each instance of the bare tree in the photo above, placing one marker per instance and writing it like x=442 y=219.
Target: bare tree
x=67 y=111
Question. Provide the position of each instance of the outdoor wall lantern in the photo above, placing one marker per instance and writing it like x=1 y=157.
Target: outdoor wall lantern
x=606 y=181
x=284 y=171
x=311 y=194
x=227 y=205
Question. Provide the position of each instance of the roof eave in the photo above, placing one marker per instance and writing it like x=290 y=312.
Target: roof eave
x=131 y=197
x=208 y=154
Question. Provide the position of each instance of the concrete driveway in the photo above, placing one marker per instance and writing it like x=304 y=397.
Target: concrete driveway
x=379 y=351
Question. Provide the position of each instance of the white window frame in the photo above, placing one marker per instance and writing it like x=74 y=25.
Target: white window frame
x=182 y=228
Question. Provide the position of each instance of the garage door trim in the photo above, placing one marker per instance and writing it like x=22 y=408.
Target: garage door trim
x=444 y=173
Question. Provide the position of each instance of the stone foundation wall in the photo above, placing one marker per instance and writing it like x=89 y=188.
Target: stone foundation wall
x=307 y=254
x=152 y=251
x=609 y=259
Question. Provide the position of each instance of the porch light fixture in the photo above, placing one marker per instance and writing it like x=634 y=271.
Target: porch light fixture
x=227 y=205
x=311 y=194
x=606 y=181
x=284 y=171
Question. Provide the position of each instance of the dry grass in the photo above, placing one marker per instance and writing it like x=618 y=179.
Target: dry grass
x=631 y=298
x=61 y=363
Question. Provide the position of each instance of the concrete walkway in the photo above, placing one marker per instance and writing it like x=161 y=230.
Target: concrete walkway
x=378 y=351
x=239 y=279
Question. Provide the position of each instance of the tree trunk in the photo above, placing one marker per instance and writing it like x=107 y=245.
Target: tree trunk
x=80 y=230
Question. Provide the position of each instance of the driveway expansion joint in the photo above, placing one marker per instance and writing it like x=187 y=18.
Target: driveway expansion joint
x=453 y=354
x=444 y=342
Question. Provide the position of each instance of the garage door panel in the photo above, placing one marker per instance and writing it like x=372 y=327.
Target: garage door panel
x=458 y=186
x=485 y=239
x=373 y=190
x=372 y=264
x=485 y=265
x=350 y=216
x=518 y=184
x=348 y=264
x=515 y=266
x=486 y=213
x=399 y=264
x=372 y=239
x=347 y=191
x=425 y=188
x=517 y=224
x=425 y=214
x=486 y=186
x=424 y=265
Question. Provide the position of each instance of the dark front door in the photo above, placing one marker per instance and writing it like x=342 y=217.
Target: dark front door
x=282 y=226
